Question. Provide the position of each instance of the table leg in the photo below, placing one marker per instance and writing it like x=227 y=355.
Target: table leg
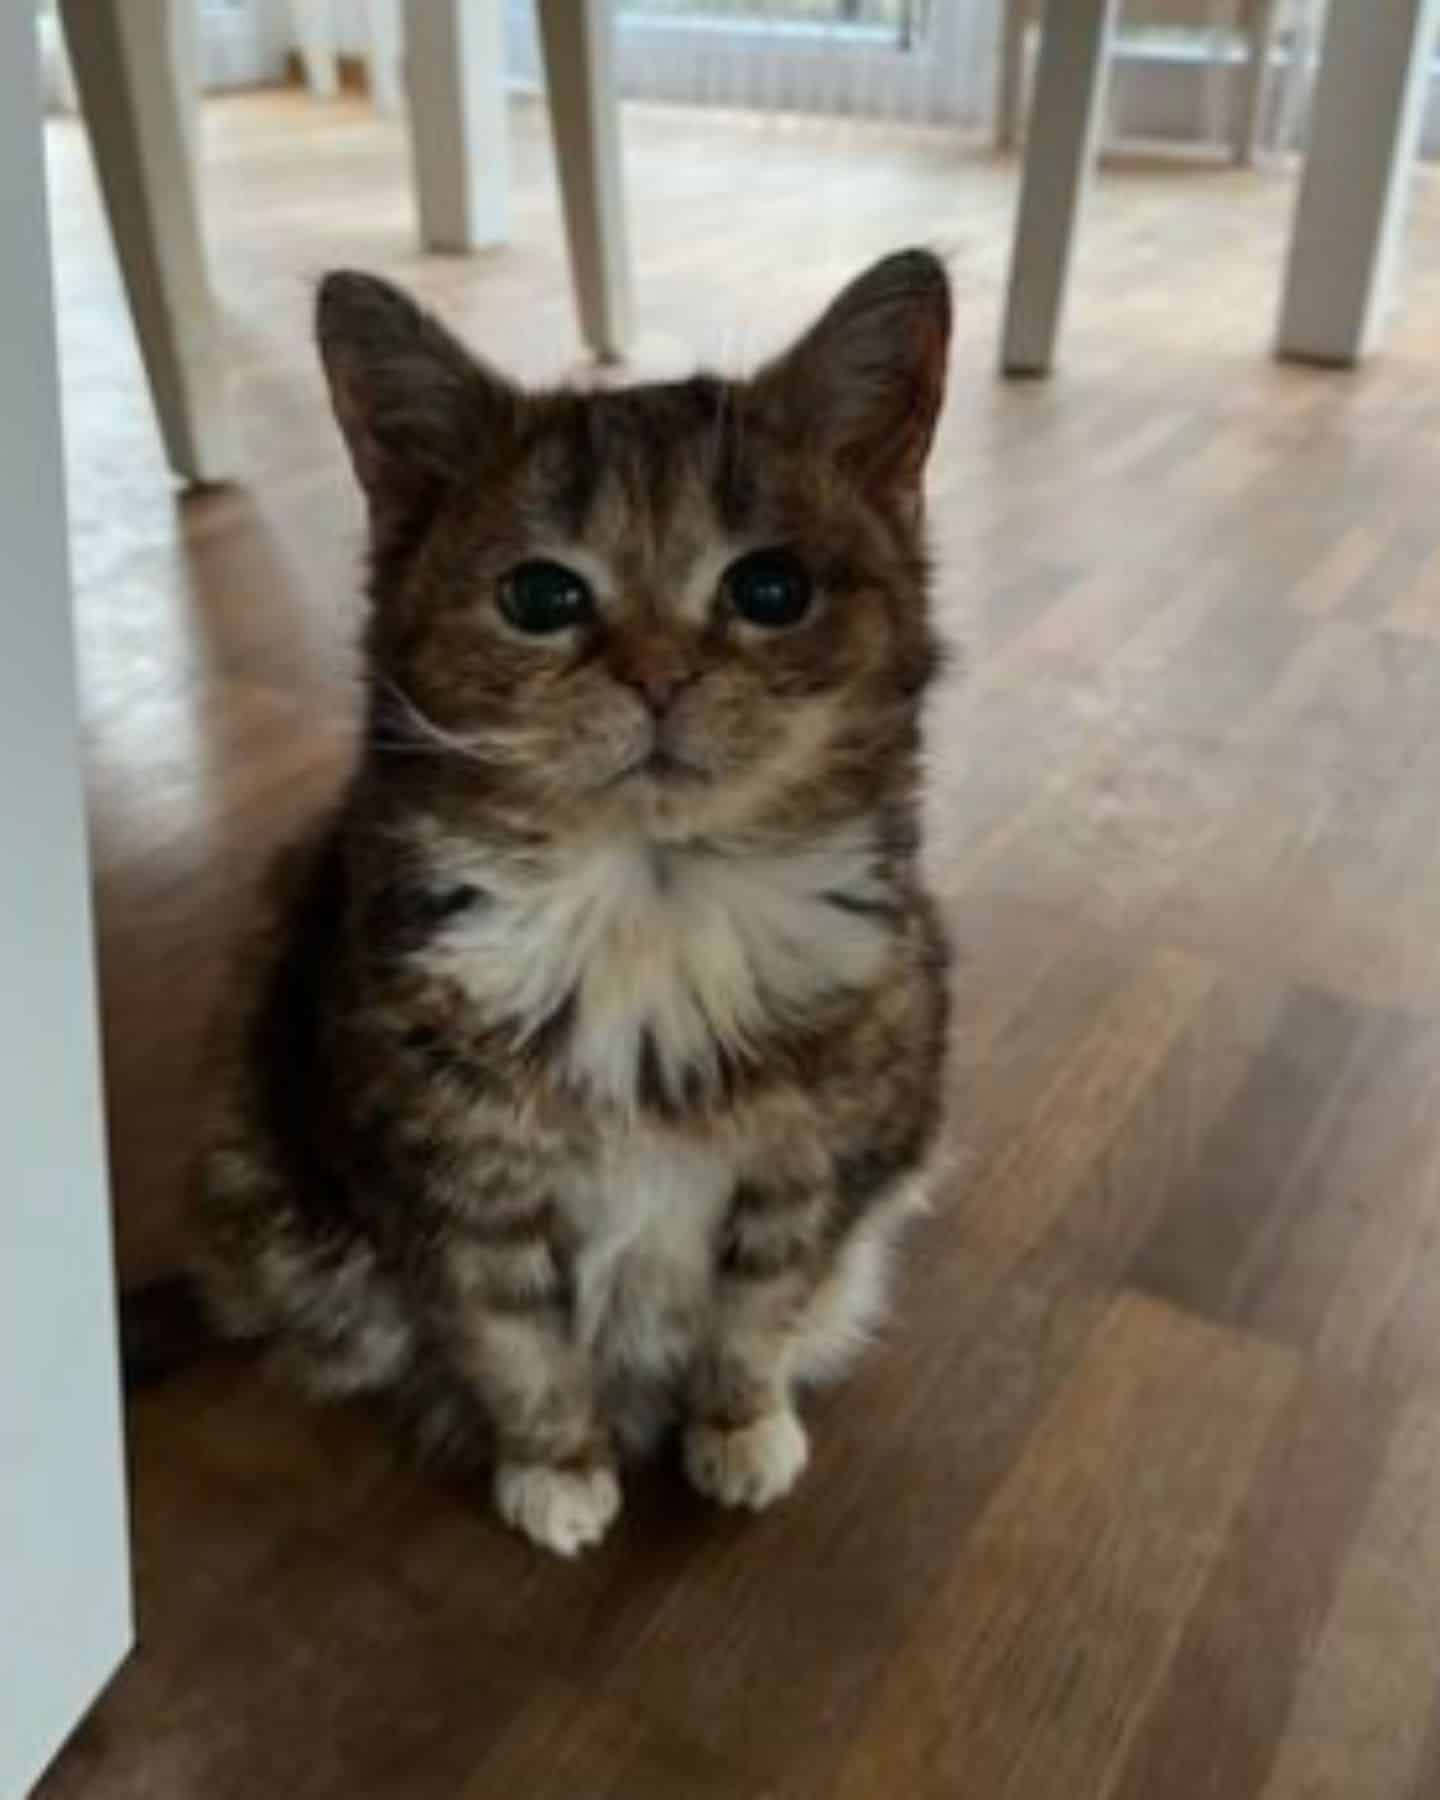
x=1010 y=85
x=1364 y=124
x=459 y=124
x=126 y=60
x=1261 y=19
x=585 y=123
x=383 y=56
x=1059 y=154
x=313 y=22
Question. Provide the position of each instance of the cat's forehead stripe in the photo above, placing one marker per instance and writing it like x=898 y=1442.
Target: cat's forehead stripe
x=645 y=460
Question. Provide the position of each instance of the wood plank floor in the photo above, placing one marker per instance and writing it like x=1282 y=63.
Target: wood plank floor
x=1140 y=1500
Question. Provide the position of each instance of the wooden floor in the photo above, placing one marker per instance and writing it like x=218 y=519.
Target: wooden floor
x=1141 y=1497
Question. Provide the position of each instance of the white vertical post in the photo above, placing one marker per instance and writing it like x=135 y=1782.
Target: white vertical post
x=459 y=127
x=585 y=123
x=314 y=22
x=1364 y=124
x=1296 y=76
x=188 y=64
x=1261 y=20
x=382 y=30
x=1060 y=152
x=126 y=61
x=64 y=1583
x=1010 y=72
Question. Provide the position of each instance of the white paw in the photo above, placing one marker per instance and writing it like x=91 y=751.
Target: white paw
x=752 y=1466
x=564 y=1510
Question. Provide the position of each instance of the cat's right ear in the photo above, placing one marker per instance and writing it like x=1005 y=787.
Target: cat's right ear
x=417 y=409
x=865 y=384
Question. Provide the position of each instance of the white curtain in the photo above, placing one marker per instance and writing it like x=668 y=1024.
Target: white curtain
x=930 y=61
x=911 y=61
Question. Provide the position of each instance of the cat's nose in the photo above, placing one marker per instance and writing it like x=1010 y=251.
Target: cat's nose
x=658 y=681
x=659 y=691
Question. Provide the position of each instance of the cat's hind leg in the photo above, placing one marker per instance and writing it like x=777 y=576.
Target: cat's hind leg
x=851 y=1299
x=310 y=1291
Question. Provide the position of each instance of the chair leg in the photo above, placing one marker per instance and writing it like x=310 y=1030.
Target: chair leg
x=382 y=31
x=1298 y=79
x=1010 y=90
x=459 y=126
x=314 y=25
x=1059 y=157
x=1349 y=218
x=1261 y=23
x=126 y=60
x=585 y=124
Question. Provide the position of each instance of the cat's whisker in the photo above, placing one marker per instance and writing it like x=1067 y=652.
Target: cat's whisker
x=428 y=736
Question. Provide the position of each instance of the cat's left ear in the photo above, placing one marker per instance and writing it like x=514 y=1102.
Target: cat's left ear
x=416 y=408
x=865 y=383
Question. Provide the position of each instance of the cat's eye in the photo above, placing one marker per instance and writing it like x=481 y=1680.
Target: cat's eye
x=539 y=598
x=769 y=588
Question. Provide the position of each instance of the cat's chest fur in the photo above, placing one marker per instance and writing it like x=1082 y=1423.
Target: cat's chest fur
x=637 y=964
x=644 y=1222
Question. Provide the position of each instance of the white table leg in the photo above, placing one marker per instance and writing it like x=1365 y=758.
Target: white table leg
x=1060 y=151
x=1010 y=78
x=1296 y=79
x=459 y=129
x=65 y=1611
x=126 y=62
x=189 y=80
x=314 y=26
x=1261 y=19
x=585 y=124
x=1364 y=124
x=382 y=31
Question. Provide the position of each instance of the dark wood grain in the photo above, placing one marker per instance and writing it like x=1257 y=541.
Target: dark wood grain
x=1032 y=1664
x=1221 y=1712
x=1259 y=1154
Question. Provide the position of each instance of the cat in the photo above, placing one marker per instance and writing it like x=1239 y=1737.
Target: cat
x=588 y=1057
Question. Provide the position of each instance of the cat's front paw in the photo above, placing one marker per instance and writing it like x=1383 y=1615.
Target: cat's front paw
x=747 y=1465
x=564 y=1510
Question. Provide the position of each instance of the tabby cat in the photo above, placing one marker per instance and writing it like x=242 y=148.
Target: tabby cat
x=590 y=1052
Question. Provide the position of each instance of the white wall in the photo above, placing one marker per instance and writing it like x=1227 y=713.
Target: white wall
x=64 y=1596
